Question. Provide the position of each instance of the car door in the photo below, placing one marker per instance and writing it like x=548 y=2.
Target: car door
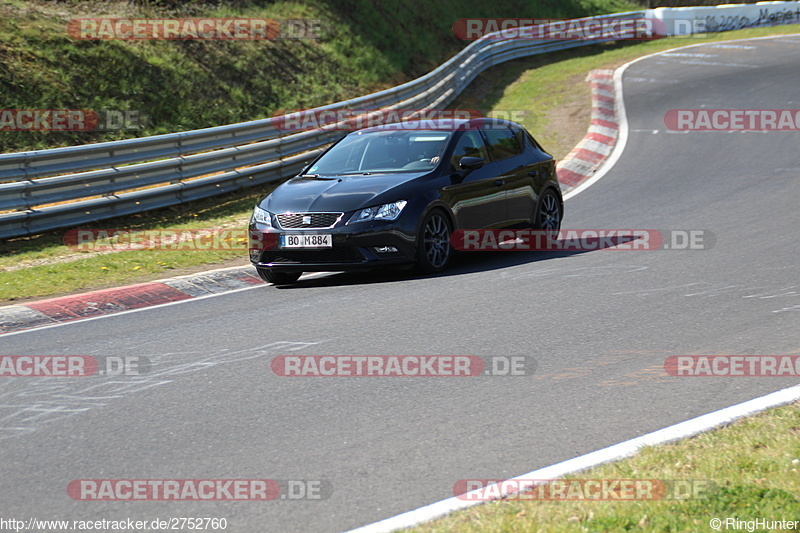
x=540 y=170
x=519 y=170
x=476 y=197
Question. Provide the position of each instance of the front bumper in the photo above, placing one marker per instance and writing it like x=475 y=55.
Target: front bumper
x=369 y=245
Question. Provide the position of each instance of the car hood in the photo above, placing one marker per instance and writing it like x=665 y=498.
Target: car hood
x=335 y=193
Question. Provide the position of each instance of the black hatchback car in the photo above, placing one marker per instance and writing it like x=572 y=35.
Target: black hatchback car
x=391 y=195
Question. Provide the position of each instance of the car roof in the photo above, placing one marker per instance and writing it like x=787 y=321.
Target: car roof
x=440 y=124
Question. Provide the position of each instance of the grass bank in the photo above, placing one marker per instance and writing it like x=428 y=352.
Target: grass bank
x=178 y=85
x=746 y=471
x=549 y=89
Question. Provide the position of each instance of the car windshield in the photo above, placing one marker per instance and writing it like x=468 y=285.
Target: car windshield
x=377 y=152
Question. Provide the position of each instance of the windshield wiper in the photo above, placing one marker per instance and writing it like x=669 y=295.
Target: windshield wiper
x=318 y=177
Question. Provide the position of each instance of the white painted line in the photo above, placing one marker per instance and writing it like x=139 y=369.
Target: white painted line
x=129 y=311
x=622 y=139
x=612 y=453
x=623 y=449
x=310 y=275
x=673 y=54
x=718 y=64
x=203 y=273
x=732 y=46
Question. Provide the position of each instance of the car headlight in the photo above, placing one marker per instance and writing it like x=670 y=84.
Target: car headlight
x=262 y=217
x=379 y=212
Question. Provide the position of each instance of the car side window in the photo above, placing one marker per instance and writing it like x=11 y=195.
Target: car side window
x=502 y=142
x=530 y=144
x=469 y=145
x=524 y=139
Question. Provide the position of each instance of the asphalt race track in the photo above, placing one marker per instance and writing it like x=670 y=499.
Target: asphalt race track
x=599 y=325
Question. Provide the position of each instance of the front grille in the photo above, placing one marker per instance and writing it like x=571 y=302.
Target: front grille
x=308 y=220
x=330 y=255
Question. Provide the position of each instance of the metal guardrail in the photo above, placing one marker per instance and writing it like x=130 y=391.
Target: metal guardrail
x=111 y=179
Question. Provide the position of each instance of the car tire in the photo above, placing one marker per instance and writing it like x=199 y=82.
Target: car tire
x=279 y=278
x=549 y=212
x=433 y=243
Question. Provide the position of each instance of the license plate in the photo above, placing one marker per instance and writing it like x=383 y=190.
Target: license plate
x=306 y=241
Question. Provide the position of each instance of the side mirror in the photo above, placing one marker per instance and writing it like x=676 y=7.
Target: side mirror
x=470 y=163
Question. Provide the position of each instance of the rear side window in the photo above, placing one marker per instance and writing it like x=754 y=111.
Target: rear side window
x=526 y=139
x=530 y=144
x=502 y=142
x=523 y=139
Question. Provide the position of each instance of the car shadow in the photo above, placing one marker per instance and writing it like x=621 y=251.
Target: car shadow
x=462 y=263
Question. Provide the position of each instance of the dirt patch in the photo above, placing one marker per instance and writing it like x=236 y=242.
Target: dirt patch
x=572 y=118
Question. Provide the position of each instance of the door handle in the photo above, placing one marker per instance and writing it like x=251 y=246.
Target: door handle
x=533 y=173
x=498 y=183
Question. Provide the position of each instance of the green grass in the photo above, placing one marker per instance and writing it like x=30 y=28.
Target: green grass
x=183 y=85
x=541 y=84
x=66 y=270
x=752 y=467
